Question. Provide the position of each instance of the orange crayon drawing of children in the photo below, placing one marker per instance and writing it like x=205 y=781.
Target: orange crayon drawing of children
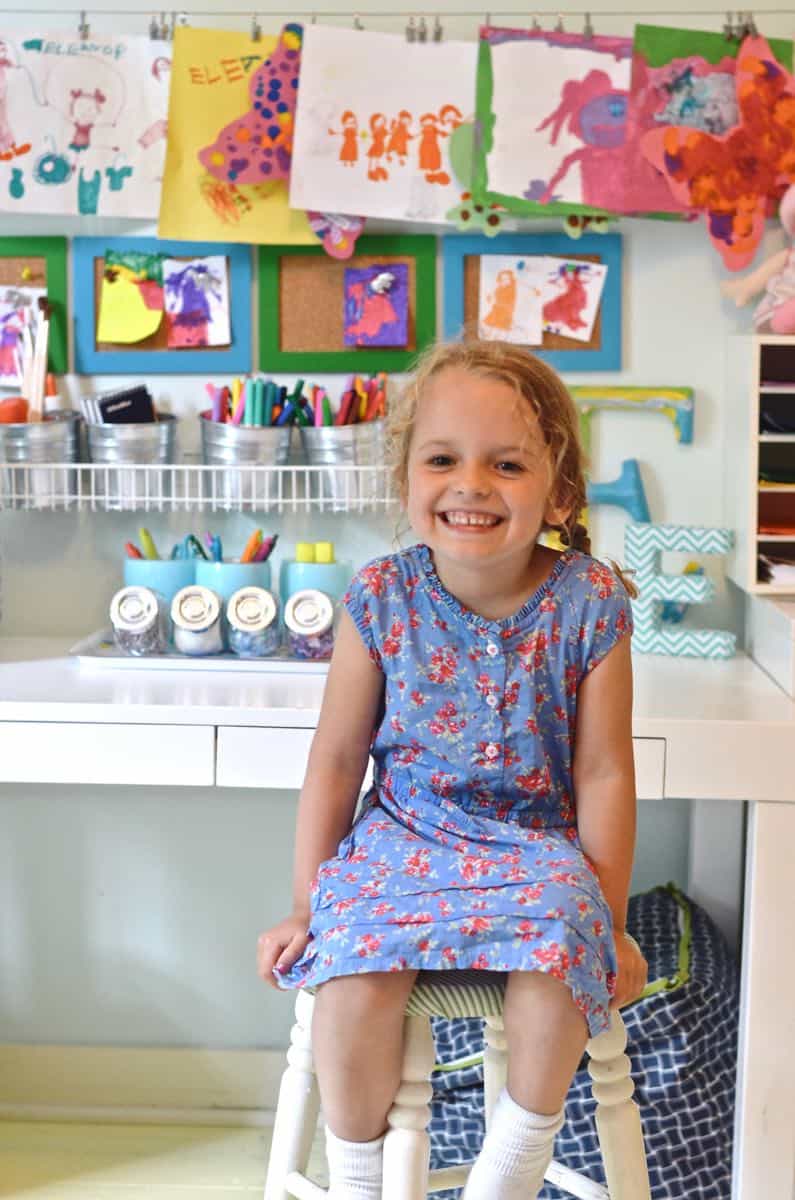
x=377 y=148
x=567 y=307
x=399 y=137
x=503 y=303
x=349 y=150
x=430 y=153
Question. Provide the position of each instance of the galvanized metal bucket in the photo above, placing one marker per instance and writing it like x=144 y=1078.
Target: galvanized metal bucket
x=125 y=449
x=344 y=446
x=55 y=440
x=241 y=448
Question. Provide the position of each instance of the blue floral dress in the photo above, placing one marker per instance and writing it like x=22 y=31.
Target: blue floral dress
x=465 y=853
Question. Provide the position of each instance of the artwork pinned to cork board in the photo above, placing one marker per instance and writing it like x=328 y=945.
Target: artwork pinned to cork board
x=375 y=311
x=565 y=306
x=31 y=267
x=143 y=304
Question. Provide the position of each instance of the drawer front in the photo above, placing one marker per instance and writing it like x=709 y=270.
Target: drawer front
x=265 y=758
x=649 y=767
x=57 y=752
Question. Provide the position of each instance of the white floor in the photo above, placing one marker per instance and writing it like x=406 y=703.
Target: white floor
x=42 y=1161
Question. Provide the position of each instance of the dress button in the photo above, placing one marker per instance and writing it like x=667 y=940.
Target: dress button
x=492 y=701
x=492 y=649
x=492 y=751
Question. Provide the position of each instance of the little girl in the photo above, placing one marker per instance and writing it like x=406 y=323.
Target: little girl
x=489 y=677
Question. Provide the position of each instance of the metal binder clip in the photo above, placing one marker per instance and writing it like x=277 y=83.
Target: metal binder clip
x=587 y=29
x=438 y=30
x=83 y=29
x=154 y=29
x=356 y=22
x=559 y=26
x=411 y=30
x=750 y=25
x=422 y=30
x=256 y=29
x=488 y=19
x=728 y=27
x=534 y=24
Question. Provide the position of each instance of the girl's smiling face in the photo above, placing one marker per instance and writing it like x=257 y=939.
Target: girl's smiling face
x=480 y=484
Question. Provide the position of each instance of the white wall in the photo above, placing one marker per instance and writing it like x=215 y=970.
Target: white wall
x=130 y=916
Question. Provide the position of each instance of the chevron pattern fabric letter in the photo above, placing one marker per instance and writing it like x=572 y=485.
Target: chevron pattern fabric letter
x=643 y=546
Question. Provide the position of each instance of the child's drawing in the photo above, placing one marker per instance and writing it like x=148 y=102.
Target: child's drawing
x=197 y=301
x=257 y=147
x=377 y=305
x=572 y=293
x=18 y=308
x=564 y=138
x=77 y=125
x=375 y=140
x=510 y=298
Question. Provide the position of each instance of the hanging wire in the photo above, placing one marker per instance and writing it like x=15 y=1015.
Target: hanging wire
x=395 y=13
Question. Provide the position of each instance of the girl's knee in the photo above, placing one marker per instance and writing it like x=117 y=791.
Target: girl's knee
x=368 y=996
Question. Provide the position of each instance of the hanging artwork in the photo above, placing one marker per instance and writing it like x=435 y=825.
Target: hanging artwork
x=510 y=299
x=131 y=297
x=572 y=292
x=685 y=78
x=230 y=133
x=735 y=178
x=560 y=143
x=377 y=305
x=373 y=123
x=82 y=124
x=196 y=295
x=18 y=311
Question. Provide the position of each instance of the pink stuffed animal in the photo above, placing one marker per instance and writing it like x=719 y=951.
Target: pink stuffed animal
x=775 y=312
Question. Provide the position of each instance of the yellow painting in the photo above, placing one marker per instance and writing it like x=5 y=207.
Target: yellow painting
x=229 y=140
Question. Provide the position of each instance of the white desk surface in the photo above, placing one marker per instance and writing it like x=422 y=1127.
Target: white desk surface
x=39 y=682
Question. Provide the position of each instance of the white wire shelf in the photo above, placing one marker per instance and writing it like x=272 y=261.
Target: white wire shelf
x=190 y=487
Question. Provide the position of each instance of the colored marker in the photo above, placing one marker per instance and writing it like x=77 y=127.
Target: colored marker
x=251 y=546
x=149 y=547
x=132 y=550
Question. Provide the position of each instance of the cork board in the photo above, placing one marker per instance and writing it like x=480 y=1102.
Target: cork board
x=41 y=263
x=550 y=341
x=153 y=355
x=461 y=268
x=301 y=305
x=311 y=300
x=159 y=339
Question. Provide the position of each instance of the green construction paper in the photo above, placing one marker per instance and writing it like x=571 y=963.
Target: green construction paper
x=660 y=45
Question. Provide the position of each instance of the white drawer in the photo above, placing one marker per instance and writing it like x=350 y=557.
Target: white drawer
x=58 y=752
x=265 y=758
x=649 y=767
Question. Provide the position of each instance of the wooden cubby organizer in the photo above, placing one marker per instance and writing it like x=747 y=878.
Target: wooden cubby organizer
x=760 y=480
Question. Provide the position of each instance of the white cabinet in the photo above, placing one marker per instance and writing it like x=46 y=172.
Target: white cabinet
x=84 y=752
x=760 y=475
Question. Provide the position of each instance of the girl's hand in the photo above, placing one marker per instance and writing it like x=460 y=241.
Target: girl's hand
x=280 y=947
x=631 y=971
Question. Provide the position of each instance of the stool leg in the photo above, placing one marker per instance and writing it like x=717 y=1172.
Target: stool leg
x=297 y=1107
x=495 y=1063
x=617 y=1116
x=407 y=1146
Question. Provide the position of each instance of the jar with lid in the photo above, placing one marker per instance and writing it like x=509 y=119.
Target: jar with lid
x=139 y=618
x=196 y=619
x=309 y=618
x=252 y=623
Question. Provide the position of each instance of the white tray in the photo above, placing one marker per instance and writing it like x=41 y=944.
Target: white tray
x=99 y=650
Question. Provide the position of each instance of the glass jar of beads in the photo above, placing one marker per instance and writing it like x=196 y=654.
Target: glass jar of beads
x=309 y=618
x=196 y=621
x=139 y=618
x=252 y=625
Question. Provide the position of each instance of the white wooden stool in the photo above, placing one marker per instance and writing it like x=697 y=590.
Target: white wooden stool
x=407 y=1144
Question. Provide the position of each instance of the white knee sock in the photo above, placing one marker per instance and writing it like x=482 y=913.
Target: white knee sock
x=516 y=1152
x=355 y=1169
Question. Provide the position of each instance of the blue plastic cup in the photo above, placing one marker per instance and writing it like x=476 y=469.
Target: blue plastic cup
x=165 y=576
x=225 y=578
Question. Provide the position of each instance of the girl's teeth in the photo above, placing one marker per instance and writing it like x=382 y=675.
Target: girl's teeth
x=470 y=519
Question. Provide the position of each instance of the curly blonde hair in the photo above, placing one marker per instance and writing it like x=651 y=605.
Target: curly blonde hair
x=534 y=382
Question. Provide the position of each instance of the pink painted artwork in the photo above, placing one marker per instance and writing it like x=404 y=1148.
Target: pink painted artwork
x=257 y=147
x=376 y=305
